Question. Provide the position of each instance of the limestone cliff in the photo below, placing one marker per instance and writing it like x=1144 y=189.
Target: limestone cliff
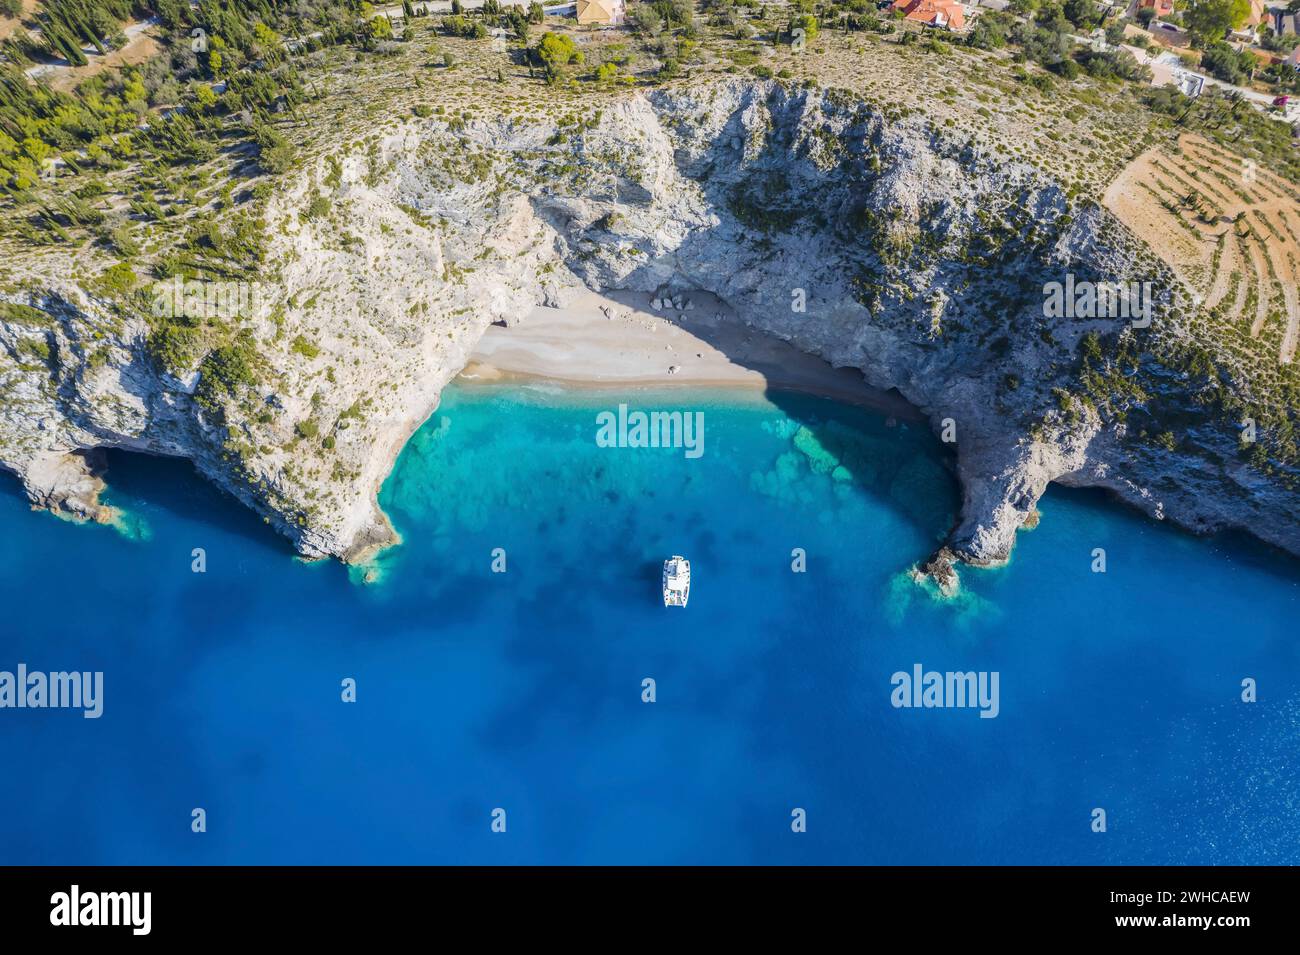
x=874 y=242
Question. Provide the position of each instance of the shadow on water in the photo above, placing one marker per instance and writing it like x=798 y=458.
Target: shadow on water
x=650 y=576
x=10 y=486
x=894 y=458
x=174 y=485
x=1234 y=545
x=846 y=429
x=885 y=444
x=872 y=438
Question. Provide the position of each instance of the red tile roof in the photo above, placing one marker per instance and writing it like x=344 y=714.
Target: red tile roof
x=1162 y=7
x=939 y=13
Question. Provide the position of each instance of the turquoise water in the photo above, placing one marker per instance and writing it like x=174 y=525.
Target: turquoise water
x=522 y=690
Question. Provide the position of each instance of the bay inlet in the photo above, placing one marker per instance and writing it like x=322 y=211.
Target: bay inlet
x=475 y=684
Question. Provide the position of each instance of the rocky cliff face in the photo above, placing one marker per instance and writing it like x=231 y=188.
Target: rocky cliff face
x=873 y=242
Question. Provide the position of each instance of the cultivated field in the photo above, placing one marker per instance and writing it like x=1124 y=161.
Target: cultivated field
x=1230 y=228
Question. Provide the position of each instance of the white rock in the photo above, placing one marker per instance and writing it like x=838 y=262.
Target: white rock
x=395 y=331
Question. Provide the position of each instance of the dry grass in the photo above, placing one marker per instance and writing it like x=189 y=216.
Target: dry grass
x=10 y=25
x=1082 y=133
x=140 y=48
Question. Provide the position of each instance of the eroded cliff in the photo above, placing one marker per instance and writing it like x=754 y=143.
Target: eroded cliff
x=873 y=241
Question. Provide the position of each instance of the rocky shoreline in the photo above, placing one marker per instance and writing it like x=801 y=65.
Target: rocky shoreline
x=870 y=243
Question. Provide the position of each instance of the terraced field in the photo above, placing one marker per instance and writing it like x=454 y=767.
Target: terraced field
x=1229 y=228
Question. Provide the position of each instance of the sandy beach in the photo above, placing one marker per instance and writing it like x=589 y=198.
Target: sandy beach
x=617 y=338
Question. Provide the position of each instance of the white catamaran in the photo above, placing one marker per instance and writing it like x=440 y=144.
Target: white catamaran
x=677 y=581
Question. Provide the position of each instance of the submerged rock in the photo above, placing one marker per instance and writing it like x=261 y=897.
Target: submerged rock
x=942 y=569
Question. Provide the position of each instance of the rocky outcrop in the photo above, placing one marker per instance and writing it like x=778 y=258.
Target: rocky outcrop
x=876 y=244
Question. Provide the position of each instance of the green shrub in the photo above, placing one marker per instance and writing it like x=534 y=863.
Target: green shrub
x=14 y=314
x=173 y=347
x=318 y=208
x=303 y=347
x=38 y=348
x=225 y=370
x=117 y=279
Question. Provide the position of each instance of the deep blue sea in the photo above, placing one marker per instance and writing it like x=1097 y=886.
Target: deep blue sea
x=522 y=690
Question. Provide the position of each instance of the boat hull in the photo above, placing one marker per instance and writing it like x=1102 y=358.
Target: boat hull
x=677 y=581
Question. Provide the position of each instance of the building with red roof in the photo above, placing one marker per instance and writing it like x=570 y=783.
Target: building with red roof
x=933 y=13
x=1162 y=7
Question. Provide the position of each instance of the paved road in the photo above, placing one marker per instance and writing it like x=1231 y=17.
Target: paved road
x=1170 y=62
